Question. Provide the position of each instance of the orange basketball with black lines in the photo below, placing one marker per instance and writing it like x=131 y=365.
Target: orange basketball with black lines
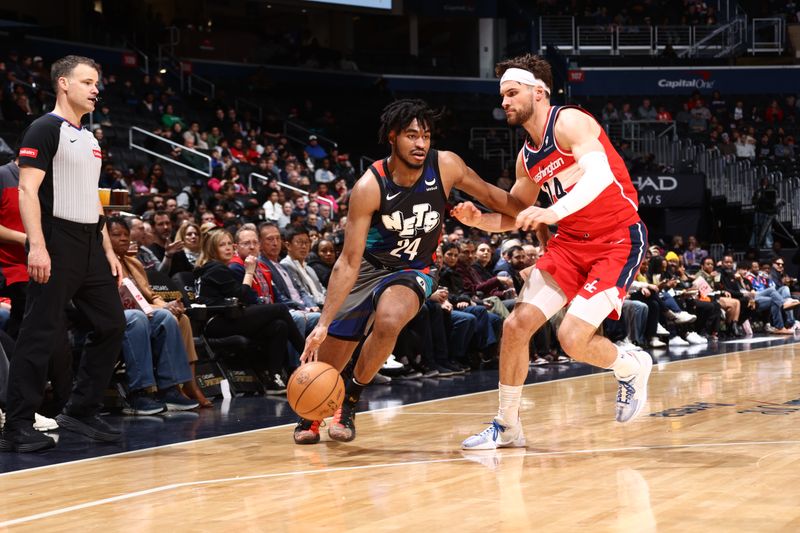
x=315 y=390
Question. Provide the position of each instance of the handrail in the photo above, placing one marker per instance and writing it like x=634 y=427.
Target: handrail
x=146 y=59
x=720 y=39
x=779 y=29
x=35 y=87
x=190 y=76
x=174 y=38
x=250 y=104
x=692 y=50
x=291 y=124
x=131 y=144
x=284 y=186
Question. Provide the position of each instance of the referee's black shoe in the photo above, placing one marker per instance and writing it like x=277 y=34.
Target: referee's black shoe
x=24 y=440
x=91 y=426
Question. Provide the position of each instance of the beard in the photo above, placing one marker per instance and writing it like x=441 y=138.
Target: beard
x=522 y=115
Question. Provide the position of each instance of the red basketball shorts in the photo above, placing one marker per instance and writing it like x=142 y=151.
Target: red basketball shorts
x=593 y=265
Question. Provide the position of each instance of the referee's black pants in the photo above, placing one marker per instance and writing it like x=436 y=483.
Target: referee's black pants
x=80 y=272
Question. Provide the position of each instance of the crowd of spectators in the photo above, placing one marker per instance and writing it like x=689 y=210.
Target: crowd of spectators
x=26 y=91
x=662 y=12
x=763 y=131
x=271 y=248
x=627 y=13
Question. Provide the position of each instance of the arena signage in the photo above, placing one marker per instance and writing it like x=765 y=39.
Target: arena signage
x=783 y=409
x=653 y=81
x=697 y=83
x=670 y=190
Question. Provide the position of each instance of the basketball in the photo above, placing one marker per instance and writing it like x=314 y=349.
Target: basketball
x=315 y=390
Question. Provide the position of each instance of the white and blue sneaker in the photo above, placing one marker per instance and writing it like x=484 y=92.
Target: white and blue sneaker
x=632 y=391
x=497 y=435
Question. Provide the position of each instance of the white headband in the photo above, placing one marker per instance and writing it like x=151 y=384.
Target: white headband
x=523 y=76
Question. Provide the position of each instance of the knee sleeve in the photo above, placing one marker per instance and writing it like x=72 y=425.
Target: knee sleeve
x=542 y=292
x=595 y=309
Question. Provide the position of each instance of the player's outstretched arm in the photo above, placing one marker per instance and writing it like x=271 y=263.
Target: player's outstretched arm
x=364 y=201
x=524 y=193
x=459 y=175
x=468 y=214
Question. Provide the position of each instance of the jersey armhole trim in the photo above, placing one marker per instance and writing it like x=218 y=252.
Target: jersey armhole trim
x=555 y=137
x=381 y=186
x=438 y=173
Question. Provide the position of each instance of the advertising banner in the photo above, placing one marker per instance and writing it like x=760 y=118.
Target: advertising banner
x=651 y=81
x=670 y=190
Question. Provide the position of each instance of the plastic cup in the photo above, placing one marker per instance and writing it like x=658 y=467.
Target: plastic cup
x=105 y=196
x=119 y=197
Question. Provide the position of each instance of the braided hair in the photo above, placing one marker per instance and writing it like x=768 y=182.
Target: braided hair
x=399 y=114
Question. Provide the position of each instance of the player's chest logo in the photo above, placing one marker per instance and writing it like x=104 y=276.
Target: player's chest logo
x=422 y=220
x=546 y=170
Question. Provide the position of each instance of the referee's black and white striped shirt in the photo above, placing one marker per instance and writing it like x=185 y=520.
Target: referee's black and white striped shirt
x=71 y=160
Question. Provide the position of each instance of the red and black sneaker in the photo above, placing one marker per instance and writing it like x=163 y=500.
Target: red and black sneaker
x=343 y=426
x=307 y=431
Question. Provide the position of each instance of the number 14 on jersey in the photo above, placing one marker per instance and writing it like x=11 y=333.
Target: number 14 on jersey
x=554 y=191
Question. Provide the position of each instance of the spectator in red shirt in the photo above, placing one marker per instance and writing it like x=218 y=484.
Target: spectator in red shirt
x=773 y=113
x=324 y=192
x=13 y=258
x=237 y=151
x=252 y=153
x=695 y=101
x=663 y=115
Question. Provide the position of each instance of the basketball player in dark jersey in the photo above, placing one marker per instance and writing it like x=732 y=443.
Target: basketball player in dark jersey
x=385 y=272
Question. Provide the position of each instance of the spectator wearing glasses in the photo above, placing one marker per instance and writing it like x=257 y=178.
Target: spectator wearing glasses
x=783 y=282
x=298 y=244
x=268 y=324
x=246 y=246
x=286 y=286
x=767 y=296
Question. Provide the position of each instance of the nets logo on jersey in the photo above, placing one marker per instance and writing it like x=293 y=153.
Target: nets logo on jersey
x=29 y=152
x=423 y=220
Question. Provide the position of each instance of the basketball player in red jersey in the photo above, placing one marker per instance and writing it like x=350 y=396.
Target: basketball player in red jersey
x=589 y=263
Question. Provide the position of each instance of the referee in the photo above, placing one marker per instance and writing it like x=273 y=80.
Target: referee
x=69 y=258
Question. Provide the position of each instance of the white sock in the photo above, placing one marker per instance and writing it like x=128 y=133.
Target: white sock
x=625 y=365
x=510 y=397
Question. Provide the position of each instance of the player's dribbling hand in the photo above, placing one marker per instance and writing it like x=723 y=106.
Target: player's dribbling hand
x=313 y=343
x=530 y=217
x=467 y=213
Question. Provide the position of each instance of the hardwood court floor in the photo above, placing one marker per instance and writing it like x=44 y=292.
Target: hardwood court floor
x=722 y=453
